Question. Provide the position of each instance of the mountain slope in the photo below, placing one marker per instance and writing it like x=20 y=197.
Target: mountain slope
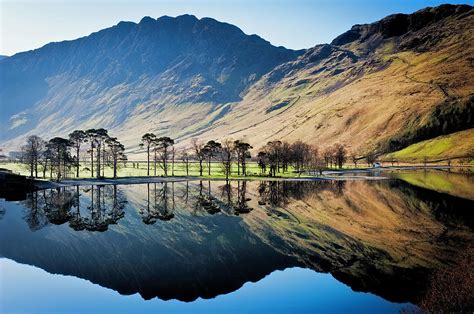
x=373 y=87
x=133 y=73
x=383 y=86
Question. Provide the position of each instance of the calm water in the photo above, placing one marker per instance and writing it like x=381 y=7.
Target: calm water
x=330 y=246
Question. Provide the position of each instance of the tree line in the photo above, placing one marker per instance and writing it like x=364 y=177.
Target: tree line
x=98 y=149
x=58 y=155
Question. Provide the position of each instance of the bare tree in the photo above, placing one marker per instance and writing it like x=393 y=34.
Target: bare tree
x=262 y=161
x=227 y=150
x=164 y=144
x=300 y=155
x=340 y=155
x=185 y=159
x=31 y=153
x=199 y=153
x=327 y=155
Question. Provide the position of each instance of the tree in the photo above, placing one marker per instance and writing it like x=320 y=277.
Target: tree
x=327 y=155
x=164 y=144
x=300 y=155
x=90 y=137
x=60 y=155
x=286 y=155
x=371 y=158
x=76 y=138
x=340 y=155
x=317 y=163
x=101 y=135
x=199 y=153
x=211 y=149
x=45 y=160
x=117 y=152
x=148 y=139
x=273 y=151
x=31 y=153
x=354 y=160
x=262 y=161
x=227 y=150
x=185 y=159
x=242 y=151
x=173 y=155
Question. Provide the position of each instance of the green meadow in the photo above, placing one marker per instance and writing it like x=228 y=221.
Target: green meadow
x=139 y=169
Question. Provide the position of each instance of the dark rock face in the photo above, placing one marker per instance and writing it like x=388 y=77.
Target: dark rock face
x=400 y=24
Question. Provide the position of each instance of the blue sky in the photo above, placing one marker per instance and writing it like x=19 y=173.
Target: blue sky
x=296 y=24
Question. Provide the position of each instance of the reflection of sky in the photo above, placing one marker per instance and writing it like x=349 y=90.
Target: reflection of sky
x=29 y=289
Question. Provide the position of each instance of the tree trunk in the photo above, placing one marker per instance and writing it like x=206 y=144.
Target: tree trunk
x=98 y=161
x=148 y=160
x=103 y=158
x=92 y=161
x=209 y=167
x=238 y=166
x=154 y=164
x=36 y=167
x=77 y=165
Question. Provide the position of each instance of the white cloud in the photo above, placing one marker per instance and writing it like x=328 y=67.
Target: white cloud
x=18 y=120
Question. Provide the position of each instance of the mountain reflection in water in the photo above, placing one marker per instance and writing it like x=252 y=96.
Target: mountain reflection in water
x=184 y=240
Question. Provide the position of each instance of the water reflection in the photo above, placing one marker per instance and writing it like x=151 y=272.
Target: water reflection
x=184 y=240
x=103 y=206
x=159 y=204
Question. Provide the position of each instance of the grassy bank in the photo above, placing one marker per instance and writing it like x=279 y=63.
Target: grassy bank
x=441 y=148
x=140 y=169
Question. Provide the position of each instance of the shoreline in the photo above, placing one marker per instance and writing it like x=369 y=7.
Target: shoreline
x=332 y=175
x=46 y=184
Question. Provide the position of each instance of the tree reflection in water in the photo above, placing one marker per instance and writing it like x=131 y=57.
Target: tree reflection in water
x=96 y=207
x=160 y=203
x=275 y=194
x=105 y=206
x=385 y=237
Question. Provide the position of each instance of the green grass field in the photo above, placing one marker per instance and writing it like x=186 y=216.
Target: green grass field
x=439 y=148
x=140 y=169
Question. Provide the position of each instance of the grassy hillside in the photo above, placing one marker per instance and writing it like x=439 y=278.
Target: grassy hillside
x=362 y=99
x=458 y=144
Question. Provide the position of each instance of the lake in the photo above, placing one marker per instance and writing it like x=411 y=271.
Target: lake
x=246 y=246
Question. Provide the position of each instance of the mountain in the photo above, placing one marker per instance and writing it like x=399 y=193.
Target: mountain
x=385 y=85
x=134 y=74
x=403 y=79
